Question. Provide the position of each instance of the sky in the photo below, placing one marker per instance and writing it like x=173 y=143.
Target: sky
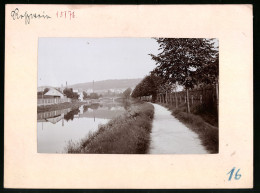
x=79 y=60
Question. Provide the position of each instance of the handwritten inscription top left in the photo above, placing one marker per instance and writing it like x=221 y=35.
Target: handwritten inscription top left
x=16 y=15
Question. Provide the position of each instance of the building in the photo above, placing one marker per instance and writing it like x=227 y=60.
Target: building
x=53 y=96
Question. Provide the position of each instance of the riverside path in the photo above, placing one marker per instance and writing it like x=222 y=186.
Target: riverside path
x=170 y=136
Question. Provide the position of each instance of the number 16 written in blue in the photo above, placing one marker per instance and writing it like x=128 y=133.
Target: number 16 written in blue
x=237 y=175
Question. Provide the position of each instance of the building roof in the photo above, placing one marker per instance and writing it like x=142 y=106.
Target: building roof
x=54 y=92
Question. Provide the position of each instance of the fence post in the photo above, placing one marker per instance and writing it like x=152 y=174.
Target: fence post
x=176 y=100
x=188 y=103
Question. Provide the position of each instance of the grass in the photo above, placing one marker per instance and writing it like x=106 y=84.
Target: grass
x=60 y=106
x=126 y=134
x=208 y=133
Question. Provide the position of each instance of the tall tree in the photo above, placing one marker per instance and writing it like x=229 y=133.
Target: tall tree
x=127 y=93
x=148 y=86
x=184 y=61
x=85 y=95
x=70 y=94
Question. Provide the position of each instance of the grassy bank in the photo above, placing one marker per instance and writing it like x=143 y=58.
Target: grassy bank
x=126 y=134
x=208 y=133
x=60 y=106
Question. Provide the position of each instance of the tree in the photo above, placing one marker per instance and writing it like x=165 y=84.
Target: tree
x=126 y=93
x=85 y=95
x=70 y=94
x=45 y=90
x=93 y=96
x=148 y=86
x=186 y=61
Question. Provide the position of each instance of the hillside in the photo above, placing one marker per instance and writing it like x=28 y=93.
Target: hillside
x=108 y=84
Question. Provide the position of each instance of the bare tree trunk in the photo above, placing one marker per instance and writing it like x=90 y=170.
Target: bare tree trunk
x=188 y=102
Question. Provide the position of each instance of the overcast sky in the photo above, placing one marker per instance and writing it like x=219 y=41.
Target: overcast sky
x=78 y=60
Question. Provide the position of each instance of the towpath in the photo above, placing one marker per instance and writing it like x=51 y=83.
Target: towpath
x=170 y=136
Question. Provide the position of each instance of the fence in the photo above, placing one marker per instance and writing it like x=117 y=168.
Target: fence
x=146 y=98
x=207 y=95
x=50 y=101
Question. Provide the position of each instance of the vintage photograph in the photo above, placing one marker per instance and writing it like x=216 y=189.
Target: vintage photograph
x=128 y=95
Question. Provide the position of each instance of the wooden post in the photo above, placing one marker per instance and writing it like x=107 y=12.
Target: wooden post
x=188 y=103
x=200 y=99
x=176 y=100
x=192 y=99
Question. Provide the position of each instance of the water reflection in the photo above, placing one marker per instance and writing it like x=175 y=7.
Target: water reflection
x=70 y=115
x=56 y=128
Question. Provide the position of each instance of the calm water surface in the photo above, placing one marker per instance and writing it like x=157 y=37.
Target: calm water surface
x=56 y=128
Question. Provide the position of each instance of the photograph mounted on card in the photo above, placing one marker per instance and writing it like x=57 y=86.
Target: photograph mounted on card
x=127 y=96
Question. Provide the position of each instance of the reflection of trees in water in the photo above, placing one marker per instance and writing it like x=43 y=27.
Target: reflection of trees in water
x=94 y=106
x=70 y=115
x=85 y=108
x=126 y=104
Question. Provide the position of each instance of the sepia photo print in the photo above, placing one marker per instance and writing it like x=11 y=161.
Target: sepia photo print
x=128 y=95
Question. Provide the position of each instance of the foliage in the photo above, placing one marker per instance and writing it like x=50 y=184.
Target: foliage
x=186 y=61
x=45 y=90
x=85 y=95
x=126 y=93
x=70 y=94
x=146 y=87
x=93 y=96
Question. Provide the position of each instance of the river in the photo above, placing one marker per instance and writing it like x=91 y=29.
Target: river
x=56 y=128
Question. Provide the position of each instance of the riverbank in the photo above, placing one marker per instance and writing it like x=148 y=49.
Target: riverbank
x=60 y=106
x=126 y=134
x=208 y=134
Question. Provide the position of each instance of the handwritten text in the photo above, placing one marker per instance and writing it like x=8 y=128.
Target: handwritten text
x=27 y=16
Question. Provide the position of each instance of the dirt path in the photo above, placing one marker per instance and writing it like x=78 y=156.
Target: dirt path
x=170 y=136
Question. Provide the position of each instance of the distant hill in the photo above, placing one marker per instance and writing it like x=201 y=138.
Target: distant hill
x=108 y=84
